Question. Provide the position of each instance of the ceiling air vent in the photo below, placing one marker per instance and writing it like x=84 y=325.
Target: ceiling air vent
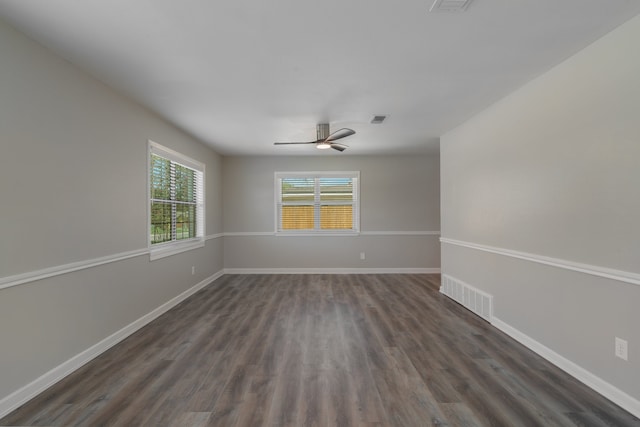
x=378 y=119
x=450 y=6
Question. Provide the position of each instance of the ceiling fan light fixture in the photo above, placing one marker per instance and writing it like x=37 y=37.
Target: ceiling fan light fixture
x=323 y=145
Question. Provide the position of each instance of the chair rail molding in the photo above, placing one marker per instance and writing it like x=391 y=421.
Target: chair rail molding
x=594 y=270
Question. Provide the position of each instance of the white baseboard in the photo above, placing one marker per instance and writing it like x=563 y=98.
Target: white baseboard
x=612 y=393
x=24 y=394
x=331 y=271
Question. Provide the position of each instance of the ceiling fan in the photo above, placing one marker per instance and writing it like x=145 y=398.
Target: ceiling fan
x=326 y=139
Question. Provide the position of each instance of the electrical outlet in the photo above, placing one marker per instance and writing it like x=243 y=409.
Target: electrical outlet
x=193 y=270
x=361 y=255
x=621 y=350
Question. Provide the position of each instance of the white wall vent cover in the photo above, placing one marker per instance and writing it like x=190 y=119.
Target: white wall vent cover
x=471 y=298
x=451 y=6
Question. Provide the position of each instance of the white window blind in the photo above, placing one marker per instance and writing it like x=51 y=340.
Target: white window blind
x=176 y=198
x=317 y=202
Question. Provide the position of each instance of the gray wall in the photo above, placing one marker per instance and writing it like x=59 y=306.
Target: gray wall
x=73 y=166
x=553 y=171
x=398 y=197
x=73 y=178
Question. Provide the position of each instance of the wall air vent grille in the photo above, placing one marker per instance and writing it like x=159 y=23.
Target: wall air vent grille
x=450 y=6
x=471 y=298
x=378 y=119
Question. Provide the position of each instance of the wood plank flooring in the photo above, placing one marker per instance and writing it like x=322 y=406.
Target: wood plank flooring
x=319 y=350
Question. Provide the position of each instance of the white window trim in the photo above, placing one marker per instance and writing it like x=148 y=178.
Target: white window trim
x=162 y=250
x=317 y=174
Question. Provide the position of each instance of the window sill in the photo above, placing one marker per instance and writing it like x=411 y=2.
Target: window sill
x=173 y=248
x=319 y=233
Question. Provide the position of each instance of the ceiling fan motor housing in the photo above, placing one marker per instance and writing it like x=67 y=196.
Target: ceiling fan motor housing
x=323 y=131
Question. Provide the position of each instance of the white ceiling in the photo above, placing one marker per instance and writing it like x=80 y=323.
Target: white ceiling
x=241 y=74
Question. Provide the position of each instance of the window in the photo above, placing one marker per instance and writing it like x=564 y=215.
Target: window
x=317 y=202
x=176 y=202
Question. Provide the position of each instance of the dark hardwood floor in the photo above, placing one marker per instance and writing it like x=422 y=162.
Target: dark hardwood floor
x=319 y=350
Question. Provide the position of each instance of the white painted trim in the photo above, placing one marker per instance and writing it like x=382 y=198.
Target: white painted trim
x=174 y=248
x=175 y=156
x=332 y=271
x=29 y=391
x=19 y=279
x=612 y=393
x=400 y=233
x=162 y=250
x=351 y=234
x=315 y=175
x=317 y=234
x=594 y=270
x=248 y=233
x=32 y=276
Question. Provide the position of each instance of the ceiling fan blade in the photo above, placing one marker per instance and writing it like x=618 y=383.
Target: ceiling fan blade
x=338 y=146
x=293 y=143
x=340 y=133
